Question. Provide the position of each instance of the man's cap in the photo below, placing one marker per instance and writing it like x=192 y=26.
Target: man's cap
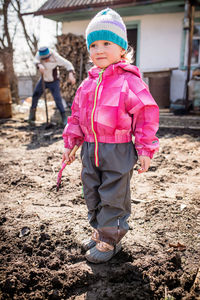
x=44 y=52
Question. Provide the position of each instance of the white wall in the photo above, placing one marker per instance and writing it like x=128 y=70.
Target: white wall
x=75 y=27
x=160 y=41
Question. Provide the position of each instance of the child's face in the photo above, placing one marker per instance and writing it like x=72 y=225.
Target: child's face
x=105 y=53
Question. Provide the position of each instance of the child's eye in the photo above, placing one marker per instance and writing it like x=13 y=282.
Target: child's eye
x=92 y=46
x=106 y=44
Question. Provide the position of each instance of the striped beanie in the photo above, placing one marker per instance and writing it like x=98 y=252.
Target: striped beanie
x=44 y=53
x=107 y=25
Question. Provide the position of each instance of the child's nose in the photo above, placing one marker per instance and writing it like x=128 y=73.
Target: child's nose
x=99 y=49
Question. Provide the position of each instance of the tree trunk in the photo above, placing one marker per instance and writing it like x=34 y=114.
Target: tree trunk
x=9 y=69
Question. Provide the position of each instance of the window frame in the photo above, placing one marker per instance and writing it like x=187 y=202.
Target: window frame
x=136 y=24
x=184 y=48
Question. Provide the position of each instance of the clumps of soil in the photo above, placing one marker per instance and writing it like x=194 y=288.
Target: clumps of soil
x=41 y=230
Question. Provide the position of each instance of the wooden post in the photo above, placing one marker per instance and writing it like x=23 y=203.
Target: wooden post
x=45 y=99
x=191 y=11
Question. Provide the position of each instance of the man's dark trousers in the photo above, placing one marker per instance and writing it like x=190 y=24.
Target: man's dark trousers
x=54 y=87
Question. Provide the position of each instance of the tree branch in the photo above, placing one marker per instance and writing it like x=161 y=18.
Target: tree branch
x=32 y=42
x=6 y=30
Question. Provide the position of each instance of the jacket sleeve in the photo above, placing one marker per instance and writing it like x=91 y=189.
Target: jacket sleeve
x=61 y=61
x=145 y=113
x=72 y=133
x=37 y=60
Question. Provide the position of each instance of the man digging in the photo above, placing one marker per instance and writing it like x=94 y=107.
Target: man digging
x=47 y=62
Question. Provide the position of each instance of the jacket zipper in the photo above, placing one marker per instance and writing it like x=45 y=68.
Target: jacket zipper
x=96 y=148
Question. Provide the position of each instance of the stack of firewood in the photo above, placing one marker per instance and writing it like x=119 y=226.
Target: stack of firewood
x=73 y=48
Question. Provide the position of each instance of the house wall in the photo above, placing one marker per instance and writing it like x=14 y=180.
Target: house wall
x=159 y=45
x=160 y=40
x=75 y=27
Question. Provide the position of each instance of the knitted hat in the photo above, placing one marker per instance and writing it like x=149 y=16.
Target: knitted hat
x=44 y=53
x=107 y=25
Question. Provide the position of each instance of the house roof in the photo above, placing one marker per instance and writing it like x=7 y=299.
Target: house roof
x=52 y=6
x=69 y=10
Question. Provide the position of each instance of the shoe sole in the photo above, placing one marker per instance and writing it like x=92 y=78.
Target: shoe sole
x=97 y=257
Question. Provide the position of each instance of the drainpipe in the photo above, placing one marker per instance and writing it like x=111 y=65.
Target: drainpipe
x=189 y=26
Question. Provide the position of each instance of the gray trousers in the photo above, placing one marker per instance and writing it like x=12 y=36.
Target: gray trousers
x=107 y=188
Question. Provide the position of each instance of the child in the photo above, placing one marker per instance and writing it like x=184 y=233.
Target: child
x=110 y=106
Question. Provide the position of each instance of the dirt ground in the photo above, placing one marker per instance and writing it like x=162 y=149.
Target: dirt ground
x=41 y=229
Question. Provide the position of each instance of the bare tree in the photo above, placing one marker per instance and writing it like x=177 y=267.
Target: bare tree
x=32 y=40
x=7 y=50
x=11 y=17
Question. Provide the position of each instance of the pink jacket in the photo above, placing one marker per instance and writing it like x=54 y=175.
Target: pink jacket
x=112 y=105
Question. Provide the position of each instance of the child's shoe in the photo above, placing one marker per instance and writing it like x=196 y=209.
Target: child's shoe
x=91 y=242
x=102 y=252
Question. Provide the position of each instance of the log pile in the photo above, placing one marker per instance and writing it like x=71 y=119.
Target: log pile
x=73 y=48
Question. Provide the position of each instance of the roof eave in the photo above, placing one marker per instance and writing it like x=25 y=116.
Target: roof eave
x=120 y=3
x=82 y=7
x=124 y=10
x=123 y=7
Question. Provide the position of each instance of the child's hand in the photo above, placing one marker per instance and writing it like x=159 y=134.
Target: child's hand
x=145 y=163
x=67 y=157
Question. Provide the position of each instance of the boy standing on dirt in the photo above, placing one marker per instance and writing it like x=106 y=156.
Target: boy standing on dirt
x=47 y=62
x=110 y=106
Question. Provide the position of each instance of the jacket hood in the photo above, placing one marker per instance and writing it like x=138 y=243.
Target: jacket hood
x=119 y=67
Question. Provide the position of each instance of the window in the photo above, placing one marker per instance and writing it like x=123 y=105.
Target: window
x=195 y=59
x=132 y=41
x=195 y=55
